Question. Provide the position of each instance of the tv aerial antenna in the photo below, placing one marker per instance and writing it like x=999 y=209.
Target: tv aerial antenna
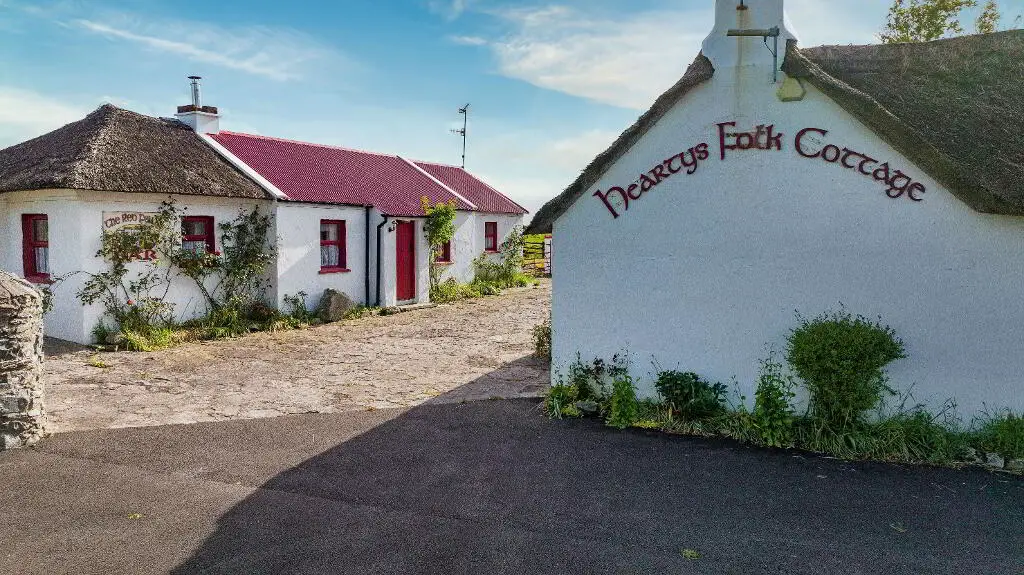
x=465 y=124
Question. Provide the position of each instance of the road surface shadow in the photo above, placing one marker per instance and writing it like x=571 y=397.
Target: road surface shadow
x=496 y=487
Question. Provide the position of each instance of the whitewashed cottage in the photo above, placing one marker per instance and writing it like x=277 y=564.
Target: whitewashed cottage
x=342 y=219
x=772 y=179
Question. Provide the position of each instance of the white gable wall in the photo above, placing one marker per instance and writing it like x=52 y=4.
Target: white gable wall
x=704 y=272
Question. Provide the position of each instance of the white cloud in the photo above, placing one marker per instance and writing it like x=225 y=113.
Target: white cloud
x=624 y=60
x=25 y=114
x=273 y=53
x=468 y=40
x=575 y=152
x=450 y=9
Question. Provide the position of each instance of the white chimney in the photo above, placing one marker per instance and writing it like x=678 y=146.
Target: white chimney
x=746 y=33
x=202 y=119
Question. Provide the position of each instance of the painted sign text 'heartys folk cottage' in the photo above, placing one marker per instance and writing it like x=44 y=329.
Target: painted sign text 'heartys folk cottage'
x=808 y=143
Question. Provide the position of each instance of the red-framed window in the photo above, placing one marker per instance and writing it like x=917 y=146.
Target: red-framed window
x=490 y=236
x=444 y=253
x=35 y=246
x=332 y=246
x=197 y=234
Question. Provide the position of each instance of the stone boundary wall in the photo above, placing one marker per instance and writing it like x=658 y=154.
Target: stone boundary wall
x=21 y=363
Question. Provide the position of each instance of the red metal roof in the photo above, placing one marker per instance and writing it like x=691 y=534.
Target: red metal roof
x=486 y=198
x=326 y=174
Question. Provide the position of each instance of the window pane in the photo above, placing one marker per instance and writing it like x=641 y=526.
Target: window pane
x=330 y=256
x=42 y=260
x=195 y=228
x=40 y=230
x=198 y=247
x=329 y=232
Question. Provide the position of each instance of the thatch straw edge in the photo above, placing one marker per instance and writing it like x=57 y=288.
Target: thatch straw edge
x=699 y=72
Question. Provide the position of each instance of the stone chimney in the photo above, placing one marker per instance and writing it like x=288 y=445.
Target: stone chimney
x=202 y=119
x=742 y=30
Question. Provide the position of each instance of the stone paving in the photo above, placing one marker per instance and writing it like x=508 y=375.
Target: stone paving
x=471 y=350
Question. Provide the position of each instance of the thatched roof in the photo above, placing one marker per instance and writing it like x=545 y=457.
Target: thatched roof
x=698 y=72
x=120 y=151
x=953 y=107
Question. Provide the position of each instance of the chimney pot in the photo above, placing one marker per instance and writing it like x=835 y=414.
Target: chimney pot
x=202 y=119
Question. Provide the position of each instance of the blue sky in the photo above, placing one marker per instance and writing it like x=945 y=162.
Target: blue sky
x=551 y=83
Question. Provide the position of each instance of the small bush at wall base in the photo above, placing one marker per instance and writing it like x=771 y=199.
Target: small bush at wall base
x=623 y=408
x=689 y=396
x=542 y=340
x=840 y=358
x=773 y=411
x=1002 y=434
x=296 y=308
x=560 y=401
x=452 y=291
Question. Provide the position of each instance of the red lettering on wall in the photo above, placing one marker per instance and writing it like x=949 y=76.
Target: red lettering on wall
x=897 y=183
x=762 y=137
x=690 y=159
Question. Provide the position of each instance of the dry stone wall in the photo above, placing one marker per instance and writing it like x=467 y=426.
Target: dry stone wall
x=21 y=360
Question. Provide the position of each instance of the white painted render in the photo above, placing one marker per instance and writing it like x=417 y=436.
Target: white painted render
x=468 y=241
x=297 y=228
x=705 y=272
x=75 y=228
x=388 y=253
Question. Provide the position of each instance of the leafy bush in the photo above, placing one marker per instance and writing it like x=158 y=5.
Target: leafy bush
x=296 y=308
x=542 y=340
x=689 y=396
x=840 y=358
x=1001 y=433
x=561 y=401
x=505 y=270
x=452 y=291
x=773 y=410
x=623 y=408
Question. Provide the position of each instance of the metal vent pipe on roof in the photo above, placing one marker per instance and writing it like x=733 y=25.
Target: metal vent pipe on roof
x=197 y=96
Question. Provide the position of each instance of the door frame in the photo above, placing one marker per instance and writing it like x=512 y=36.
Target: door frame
x=410 y=266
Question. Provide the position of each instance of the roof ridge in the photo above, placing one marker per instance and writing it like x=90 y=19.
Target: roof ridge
x=443 y=165
x=314 y=144
x=492 y=188
x=443 y=185
x=104 y=115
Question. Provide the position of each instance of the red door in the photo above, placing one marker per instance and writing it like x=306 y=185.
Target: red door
x=405 y=260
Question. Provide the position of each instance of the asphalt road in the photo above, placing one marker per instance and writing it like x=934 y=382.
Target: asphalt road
x=488 y=487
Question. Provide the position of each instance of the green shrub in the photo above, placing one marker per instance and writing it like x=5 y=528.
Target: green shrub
x=773 y=410
x=296 y=308
x=504 y=270
x=561 y=401
x=840 y=358
x=483 y=287
x=917 y=435
x=542 y=340
x=1001 y=433
x=689 y=396
x=452 y=291
x=152 y=339
x=623 y=408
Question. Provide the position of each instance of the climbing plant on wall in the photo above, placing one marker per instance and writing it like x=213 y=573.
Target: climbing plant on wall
x=143 y=260
x=439 y=227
